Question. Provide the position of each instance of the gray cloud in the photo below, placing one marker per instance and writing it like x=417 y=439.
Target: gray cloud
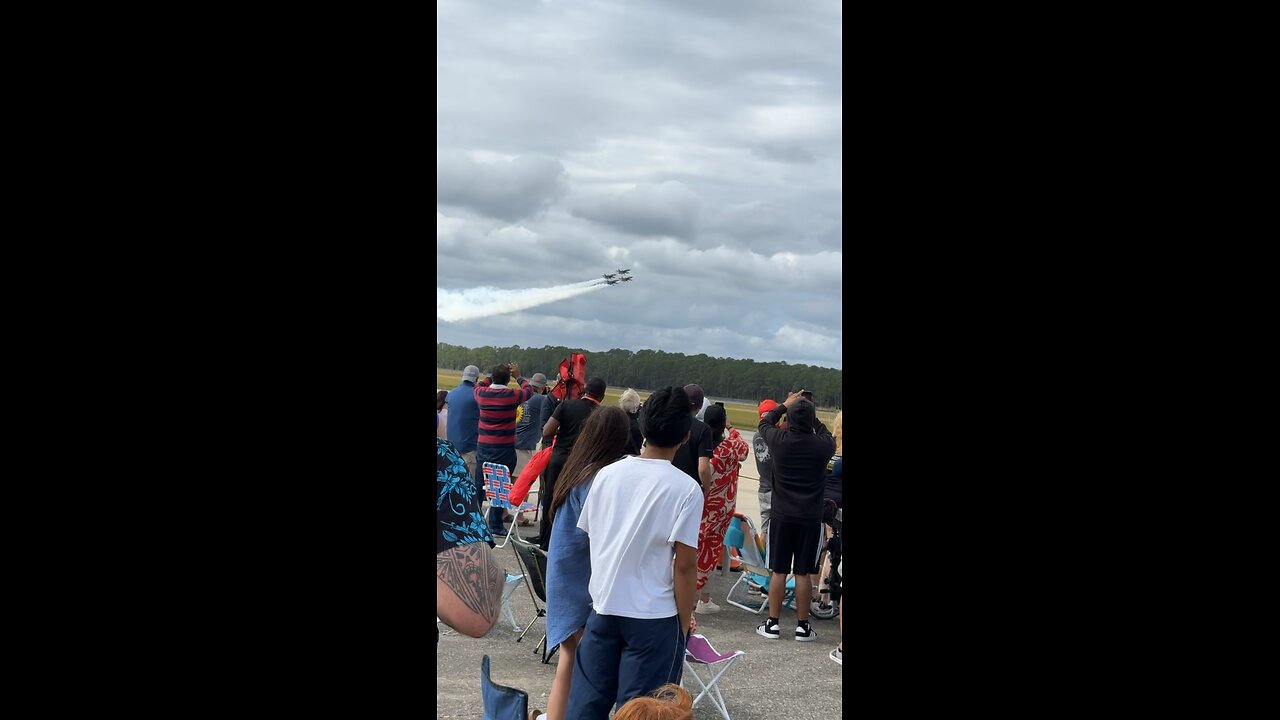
x=507 y=189
x=699 y=144
x=667 y=209
x=784 y=153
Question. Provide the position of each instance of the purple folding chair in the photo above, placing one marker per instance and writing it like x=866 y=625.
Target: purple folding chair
x=698 y=651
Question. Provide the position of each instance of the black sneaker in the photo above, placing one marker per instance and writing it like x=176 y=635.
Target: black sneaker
x=768 y=629
x=804 y=633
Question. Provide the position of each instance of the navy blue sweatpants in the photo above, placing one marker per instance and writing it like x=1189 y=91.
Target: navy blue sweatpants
x=620 y=658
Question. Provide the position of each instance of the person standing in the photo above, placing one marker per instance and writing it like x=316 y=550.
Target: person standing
x=529 y=427
x=496 y=441
x=764 y=466
x=601 y=443
x=463 y=424
x=694 y=457
x=641 y=514
x=442 y=414
x=565 y=424
x=630 y=403
x=718 y=505
x=800 y=455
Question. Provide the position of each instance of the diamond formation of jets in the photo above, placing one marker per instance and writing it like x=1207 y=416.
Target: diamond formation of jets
x=613 y=279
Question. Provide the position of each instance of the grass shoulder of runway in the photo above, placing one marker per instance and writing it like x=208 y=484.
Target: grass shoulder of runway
x=741 y=415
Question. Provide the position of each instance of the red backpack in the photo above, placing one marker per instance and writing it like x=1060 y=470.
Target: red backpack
x=573 y=378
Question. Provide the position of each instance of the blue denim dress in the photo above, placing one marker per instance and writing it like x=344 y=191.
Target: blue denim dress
x=568 y=570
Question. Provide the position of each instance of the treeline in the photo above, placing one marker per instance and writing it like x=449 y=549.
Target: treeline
x=651 y=369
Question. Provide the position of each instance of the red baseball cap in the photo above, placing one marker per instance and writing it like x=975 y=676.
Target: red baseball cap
x=766 y=406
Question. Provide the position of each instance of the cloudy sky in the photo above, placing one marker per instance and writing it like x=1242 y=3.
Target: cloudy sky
x=697 y=143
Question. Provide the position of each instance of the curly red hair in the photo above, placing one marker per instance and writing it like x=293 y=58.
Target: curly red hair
x=669 y=702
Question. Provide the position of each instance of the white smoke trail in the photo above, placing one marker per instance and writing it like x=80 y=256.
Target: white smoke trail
x=455 y=305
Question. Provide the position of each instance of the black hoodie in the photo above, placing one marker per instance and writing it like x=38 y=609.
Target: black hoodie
x=800 y=455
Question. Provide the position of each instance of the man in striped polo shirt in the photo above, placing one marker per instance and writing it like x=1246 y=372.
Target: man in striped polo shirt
x=497 y=440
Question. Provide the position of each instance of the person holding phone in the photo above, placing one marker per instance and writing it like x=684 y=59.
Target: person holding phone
x=800 y=455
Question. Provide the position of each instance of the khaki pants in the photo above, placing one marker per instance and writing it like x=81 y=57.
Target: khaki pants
x=522 y=458
x=766 y=502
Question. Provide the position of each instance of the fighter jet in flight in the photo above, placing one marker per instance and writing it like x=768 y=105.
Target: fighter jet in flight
x=625 y=279
x=612 y=282
x=620 y=270
x=609 y=276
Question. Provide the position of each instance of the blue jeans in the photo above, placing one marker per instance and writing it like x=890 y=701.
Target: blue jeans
x=621 y=658
x=494 y=454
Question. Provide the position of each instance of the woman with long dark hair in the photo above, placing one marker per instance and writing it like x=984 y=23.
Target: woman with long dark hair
x=603 y=438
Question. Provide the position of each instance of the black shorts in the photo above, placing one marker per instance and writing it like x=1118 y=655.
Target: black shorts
x=793 y=546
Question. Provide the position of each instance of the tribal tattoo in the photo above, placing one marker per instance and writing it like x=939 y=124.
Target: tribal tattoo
x=471 y=573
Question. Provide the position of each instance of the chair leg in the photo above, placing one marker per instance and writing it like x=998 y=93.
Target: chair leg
x=531 y=622
x=714 y=686
x=690 y=671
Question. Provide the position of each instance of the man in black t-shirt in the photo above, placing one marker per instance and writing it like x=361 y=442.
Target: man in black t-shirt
x=565 y=424
x=694 y=457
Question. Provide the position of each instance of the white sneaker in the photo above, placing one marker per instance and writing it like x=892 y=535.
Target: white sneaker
x=706 y=608
x=804 y=633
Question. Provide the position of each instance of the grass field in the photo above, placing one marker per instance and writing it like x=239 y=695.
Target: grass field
x=741 y=415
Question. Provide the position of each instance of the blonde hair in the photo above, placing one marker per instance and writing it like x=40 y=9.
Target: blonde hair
x=669 y=702
x=630 y=401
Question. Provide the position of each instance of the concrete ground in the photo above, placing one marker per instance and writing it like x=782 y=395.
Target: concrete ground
x=776 y=678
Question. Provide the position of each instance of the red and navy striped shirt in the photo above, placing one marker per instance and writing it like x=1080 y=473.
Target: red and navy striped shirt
x=498 y=411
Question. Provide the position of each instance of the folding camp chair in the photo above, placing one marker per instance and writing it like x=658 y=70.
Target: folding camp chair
x=698 y=652
x=501 y=702
x=755 y=570
x=509 y=586
x=497 y=490
x=534 y=562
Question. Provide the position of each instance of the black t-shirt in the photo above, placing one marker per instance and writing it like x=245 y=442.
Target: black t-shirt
x=636 y=439
x=834 y=489
x=571 y=414
x=702 y=443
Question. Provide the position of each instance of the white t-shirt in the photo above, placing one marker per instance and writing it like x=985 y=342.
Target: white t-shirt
x=637 y=510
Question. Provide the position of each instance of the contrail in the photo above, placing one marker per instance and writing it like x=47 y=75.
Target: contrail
x=455 y=305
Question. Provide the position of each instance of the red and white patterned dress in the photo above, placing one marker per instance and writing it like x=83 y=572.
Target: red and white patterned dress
x=718 y=505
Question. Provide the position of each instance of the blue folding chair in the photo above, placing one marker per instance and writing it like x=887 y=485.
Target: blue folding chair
x=501 y=702
x=497 y=490
x=755 y=569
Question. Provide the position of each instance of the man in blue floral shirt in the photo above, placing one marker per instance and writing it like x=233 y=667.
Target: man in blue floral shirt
x=468 y=577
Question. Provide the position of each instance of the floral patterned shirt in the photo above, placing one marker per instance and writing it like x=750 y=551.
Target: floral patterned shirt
x=458 y=518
